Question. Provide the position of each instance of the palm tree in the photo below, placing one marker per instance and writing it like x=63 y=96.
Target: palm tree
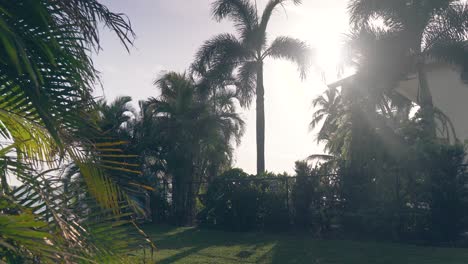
x=330 y=109
x=245 y=54
x=335 y=116
x=425 y=30
x=194 y=136
x=116 y=117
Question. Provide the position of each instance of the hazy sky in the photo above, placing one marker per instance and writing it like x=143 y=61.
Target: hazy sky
x=169 y=32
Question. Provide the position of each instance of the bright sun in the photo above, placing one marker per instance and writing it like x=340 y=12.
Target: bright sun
x=327 y=40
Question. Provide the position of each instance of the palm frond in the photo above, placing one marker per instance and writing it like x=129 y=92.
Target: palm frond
x=455 y=53
x=115 y=115
x=223 y=50
x=381 y=57
x=246 y=76
x=317 y=117
x=81 y=228
x=87 y=15
x=23 y=235
x=270 y=8
x=294 y=50
x=242 y=12
x=445 y=126
x=30 y=140
x=363 y=11
x=445 y=37
x=447 y=25
x=323 y=157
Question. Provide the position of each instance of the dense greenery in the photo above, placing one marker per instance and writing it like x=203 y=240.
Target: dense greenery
x=411 y=202
x=236 y=201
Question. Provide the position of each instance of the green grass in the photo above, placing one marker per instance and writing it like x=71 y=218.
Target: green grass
x=191 y=245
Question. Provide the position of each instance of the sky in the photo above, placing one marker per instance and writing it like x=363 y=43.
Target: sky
x=169 y=32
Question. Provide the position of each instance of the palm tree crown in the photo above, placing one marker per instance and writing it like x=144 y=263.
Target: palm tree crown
x=330 y=108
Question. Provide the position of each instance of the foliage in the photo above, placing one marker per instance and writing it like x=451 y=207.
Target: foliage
x=232 y=202
x=274 y=211
x=23 y=236
x=237 y=201
x=78 y=229
x=305 y=195
x=437 y=169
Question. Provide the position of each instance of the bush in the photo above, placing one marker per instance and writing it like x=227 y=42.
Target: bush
x=314 y=198
x=231 y=202
x=421 y=200
x=303 y=195
x=236 y=201
x=274 y=209
x=447 y=187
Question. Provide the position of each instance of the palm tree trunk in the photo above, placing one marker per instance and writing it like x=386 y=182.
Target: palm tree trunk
x=425 y=101
x=260 y=91
x=180 y=169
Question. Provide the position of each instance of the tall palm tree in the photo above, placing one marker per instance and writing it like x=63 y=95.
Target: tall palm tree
x=426 y=30
x=245 y=54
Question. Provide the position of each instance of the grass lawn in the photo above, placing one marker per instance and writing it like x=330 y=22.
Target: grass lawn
x=192 y=245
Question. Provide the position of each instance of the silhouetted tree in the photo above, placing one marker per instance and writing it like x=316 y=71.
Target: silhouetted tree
x=245 y=53
x=195 y=138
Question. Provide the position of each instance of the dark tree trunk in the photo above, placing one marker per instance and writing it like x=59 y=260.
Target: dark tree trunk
x=191 y=202
x=425 y=101
x=260 y=121
x=4 y=188
x=178 y=199
x=183 y=202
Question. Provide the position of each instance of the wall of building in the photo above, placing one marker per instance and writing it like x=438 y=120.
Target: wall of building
x=449 y=92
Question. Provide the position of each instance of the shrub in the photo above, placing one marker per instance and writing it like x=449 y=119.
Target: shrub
x=231 y=202
x=274 y=210
x=236 y=201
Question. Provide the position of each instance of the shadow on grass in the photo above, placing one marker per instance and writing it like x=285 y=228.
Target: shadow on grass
x=193 y=242
x=180 y=255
